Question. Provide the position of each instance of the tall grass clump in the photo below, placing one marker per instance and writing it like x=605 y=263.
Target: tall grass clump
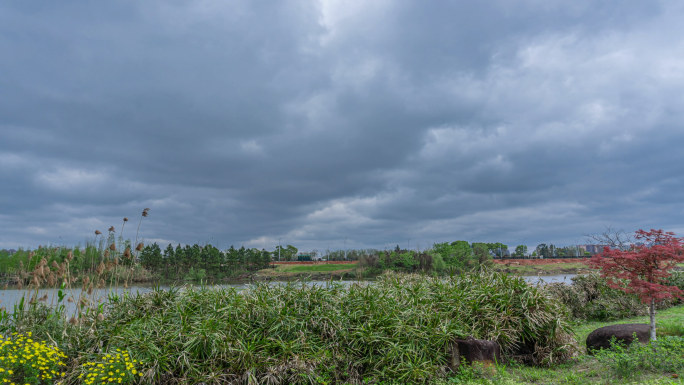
x=397 y=329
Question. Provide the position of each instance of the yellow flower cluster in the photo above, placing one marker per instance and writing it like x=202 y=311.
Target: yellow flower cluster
x=115 y=368
x=29 y=361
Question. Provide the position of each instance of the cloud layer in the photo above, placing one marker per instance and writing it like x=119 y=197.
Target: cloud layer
x=340 y=124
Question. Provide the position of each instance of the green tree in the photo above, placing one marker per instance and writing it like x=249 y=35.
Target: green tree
x=286 y=254
x=543 y=250
x=481 y=251
x=457 y=256
x=232 y=259
x=265 y=260
x=520 y=250
x=151 y=257
x=438 y=264
x=498 y=249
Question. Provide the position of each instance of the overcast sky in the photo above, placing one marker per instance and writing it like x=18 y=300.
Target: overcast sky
x=339 y=123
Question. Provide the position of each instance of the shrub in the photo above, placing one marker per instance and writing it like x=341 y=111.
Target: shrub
x=677 y=279
x=397 y=329
x=590 y=298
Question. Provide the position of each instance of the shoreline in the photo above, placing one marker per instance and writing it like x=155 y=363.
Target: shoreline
x=513 y=267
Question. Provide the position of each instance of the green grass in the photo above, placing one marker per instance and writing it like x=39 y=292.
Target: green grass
x=548 y=269
x=584 y=369
x=314 y=268
x=668 y=322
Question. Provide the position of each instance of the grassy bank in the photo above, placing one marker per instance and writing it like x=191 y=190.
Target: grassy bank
x=543 y=269
x=349 y=271
x=320 y=267
x=357 y=270
x=317 y=271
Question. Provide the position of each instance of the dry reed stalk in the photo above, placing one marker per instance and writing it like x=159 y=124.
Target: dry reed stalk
x=100 y=268
x=145 y=213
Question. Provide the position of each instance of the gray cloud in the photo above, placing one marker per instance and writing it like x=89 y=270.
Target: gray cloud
x=340 y=123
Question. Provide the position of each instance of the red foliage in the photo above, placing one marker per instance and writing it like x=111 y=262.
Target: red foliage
x=643 y=269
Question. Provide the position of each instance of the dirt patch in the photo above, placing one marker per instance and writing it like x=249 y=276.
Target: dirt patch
x=529 y=262
x=313 y=262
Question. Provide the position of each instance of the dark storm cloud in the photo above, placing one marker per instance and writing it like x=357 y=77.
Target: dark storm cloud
x=334 y=123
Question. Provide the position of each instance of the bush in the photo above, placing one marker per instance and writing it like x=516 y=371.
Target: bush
x=677 y=279
x=397 y=329
x=590 y=298
x=196 y=275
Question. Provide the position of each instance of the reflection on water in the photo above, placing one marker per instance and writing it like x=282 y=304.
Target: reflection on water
x=10 y=297
x=564 y=278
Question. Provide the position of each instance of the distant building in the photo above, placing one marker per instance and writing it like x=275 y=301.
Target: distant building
x=592 y=249
x=308 y=256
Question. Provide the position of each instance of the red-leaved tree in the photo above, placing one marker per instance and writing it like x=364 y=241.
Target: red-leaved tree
x=644 y=268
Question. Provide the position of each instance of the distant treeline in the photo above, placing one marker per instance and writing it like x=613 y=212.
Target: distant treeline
x=442 y=258
x=199 y=262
